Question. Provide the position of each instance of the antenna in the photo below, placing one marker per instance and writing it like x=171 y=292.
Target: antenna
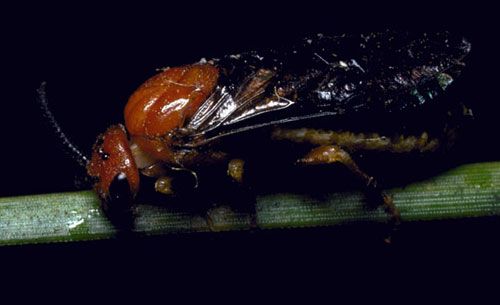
x=75 y=152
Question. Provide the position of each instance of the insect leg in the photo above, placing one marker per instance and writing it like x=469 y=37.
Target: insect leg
x=164 y=185
x=235 y=169
x=328 y=154
x=170 y=180
x=239 y=193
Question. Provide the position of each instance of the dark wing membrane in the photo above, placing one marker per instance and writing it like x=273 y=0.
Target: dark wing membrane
x=327 y=76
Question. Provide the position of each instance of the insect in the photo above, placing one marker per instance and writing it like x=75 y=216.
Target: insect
x=332 y=96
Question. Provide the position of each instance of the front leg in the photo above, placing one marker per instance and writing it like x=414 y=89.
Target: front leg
x=328 y=154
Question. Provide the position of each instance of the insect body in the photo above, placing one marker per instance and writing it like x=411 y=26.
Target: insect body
x=337 y=95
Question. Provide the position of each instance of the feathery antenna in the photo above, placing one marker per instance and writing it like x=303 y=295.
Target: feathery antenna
x=76 y=153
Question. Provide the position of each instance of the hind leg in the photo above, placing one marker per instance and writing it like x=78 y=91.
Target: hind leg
x=328 y=154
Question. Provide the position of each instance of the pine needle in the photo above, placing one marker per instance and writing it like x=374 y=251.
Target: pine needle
x=471 y=190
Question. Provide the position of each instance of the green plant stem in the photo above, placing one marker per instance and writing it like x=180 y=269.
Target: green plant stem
x=471 y=190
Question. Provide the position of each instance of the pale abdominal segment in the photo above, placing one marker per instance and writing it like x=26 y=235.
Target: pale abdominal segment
x=351 y=141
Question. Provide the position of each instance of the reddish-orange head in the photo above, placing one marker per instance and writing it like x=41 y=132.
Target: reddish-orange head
x=112 y=160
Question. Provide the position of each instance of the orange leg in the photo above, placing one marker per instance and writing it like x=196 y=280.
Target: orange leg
x=328 y=154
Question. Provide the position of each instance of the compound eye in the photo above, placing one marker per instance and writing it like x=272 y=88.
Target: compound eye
x=119 y=203
x=120 y=197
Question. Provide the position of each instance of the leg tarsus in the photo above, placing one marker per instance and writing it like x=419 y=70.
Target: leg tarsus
x=395 y=216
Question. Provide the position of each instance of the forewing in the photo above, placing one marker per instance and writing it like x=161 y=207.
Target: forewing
x=327 y=76
x=232 y=103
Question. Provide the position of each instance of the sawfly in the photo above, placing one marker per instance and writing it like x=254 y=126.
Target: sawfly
x=329 y=97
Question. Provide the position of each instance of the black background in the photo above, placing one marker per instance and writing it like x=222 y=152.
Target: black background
x=94 y=56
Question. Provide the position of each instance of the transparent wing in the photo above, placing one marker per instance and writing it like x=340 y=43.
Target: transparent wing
x=229 y=105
